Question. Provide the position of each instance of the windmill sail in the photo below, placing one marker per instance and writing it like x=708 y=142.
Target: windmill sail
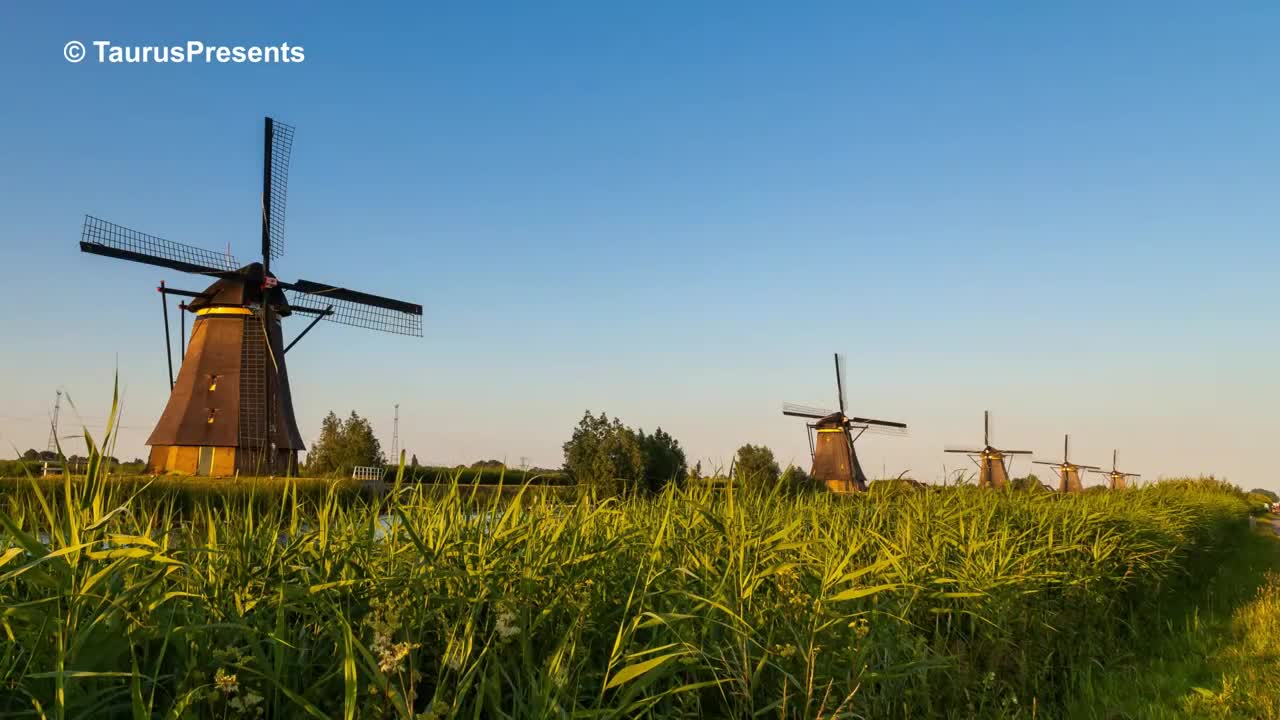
x=808 y=411
x=358 y=309
x=277 y=149
x=101 y=237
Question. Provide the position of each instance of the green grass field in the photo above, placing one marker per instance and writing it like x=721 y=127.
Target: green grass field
x=312 y=599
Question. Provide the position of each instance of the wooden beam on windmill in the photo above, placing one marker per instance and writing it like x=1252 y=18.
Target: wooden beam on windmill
x=992 y=462
x=832 y=436
x=231 y=407
x=1116 y=480
x=1067 y=471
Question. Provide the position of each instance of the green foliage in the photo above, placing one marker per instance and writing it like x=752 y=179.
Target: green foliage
x=343 y=445
x=894 y=486
x=1030 y=482
x=795 y=481
x=664 y=460
x=693 y=603
x=1215 y=656
x=486 y=475
x=755 y=466
x=1261 y=503
x=1268 y=494
x=608 y=458
x=305 y=599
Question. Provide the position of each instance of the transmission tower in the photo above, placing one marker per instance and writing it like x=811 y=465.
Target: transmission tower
x=395 y=437
x=53 y=425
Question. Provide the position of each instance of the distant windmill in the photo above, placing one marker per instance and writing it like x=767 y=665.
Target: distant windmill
x=992 y=470
x=1068 y=472
x=230 y=409
x=831 y=438
x=1116 y=479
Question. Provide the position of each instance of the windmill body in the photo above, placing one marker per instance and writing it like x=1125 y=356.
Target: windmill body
x=835 y=461
x=1068 y=472
x=993 y=470
x=217 y=421
x=1116 y=480
x=831 y=440
x=230 y=409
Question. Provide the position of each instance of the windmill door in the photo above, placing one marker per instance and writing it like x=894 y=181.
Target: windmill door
x=205 y=465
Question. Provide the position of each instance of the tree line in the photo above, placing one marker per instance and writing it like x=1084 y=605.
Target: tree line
x=603 y=454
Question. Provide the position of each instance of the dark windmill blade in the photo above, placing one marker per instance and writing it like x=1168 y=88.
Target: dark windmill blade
x=840 y=390
x=100 y=237
x=1046 y=462
x=277 y=146
x=805 y=411
x=889 y=430
x=1016 y=452
x=966 y=451
x=358 y=309
x=986 y=428
x=882 y=423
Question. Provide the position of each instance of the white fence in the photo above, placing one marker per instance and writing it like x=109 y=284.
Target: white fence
x=366 y=473
x=52 y=467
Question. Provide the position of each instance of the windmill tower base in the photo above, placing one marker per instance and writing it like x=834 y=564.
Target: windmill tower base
x=214 y=461
x=216 y=422
x=834 y=462
x=993 y=473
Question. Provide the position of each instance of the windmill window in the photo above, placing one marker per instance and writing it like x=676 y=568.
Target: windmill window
x=212 y=413
x=213 y=383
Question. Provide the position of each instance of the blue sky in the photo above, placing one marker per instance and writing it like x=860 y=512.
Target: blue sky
x=676 y=212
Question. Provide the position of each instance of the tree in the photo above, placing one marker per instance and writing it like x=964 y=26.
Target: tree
x=664 y=461
x=755 y=465
x=1260 y=497
x=31 y=454
x=414 y=462
x=1030 y=482
x=487 y=464
x=796 y=481
x=605 y=455
x=1270 y=495
x=343 y=445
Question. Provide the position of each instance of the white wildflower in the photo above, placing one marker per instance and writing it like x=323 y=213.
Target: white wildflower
x=506 y=625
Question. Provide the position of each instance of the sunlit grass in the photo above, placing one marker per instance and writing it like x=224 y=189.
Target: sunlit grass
x=122 y=602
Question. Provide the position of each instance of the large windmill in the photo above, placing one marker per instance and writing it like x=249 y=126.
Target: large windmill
x=831 y=438
x=1116 y=480
x=230 y=409
x=1068 y=472
x=992 y=470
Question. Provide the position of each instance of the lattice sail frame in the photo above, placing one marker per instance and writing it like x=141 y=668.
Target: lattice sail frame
x=100 y=237
x=361 y=315
x=281 y=152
